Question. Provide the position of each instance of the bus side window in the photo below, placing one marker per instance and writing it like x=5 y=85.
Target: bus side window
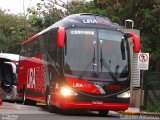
x=51 y=47
x=28 y=49
x=59 y=56
x=52 y=55
x=35 y=47
x=25 y=50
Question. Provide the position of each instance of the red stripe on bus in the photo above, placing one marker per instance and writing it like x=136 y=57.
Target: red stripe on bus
x=69 y=104
x=30 y=39
x=83 y=85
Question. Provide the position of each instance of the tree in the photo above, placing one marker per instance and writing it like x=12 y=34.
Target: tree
x=13 y=30
x=144 y=13
x=45 y=14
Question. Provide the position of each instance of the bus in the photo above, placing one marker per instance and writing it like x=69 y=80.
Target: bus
x=8 y=75
x=80 y=62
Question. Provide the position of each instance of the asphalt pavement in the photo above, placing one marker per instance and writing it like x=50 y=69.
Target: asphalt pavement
x=15 y=111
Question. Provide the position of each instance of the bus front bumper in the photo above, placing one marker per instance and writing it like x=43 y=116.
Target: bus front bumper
x=65 y=104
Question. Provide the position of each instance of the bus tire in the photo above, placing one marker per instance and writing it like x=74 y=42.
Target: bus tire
x=27 y=101
x=103 y=113
x=49 y=106
x=24 y=100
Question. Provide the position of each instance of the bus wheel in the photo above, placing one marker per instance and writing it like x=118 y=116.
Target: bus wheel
x=103 y=113
x=24 y=101
x=49 y=106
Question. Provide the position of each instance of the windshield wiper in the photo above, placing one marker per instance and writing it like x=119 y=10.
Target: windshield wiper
x=94 y=54
x=123 y=52
x=90 y=63
x=103 y=63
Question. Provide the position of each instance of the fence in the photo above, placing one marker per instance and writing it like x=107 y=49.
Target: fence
x=151 y=88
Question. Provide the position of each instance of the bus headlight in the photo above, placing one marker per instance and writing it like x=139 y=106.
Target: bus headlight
x=67 y=92
x=126 y=94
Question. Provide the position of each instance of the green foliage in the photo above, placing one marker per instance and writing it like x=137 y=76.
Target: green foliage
x=46 y=14
x=35 y=21
x=152 y=108
x=13 y=30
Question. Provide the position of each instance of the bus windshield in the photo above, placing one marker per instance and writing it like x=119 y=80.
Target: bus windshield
x=96 y=54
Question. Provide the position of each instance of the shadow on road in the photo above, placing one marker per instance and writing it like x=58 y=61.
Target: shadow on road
x=81 y=113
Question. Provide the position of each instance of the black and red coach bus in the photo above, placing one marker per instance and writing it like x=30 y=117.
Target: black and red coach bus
x=80 y=62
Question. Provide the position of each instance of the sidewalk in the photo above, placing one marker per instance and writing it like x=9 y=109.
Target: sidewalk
x=137 y=111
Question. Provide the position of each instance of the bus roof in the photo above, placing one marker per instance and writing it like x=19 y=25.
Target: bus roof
x=12 y=57
x=81 y=20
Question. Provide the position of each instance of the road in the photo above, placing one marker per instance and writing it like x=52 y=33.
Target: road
x=15 y=111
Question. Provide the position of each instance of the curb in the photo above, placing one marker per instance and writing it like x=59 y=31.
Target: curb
x=40 y=104
x=128 y=113
x=149 y=113
x=139 y=113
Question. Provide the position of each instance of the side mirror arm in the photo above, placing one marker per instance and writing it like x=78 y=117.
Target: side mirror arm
x=136 y=41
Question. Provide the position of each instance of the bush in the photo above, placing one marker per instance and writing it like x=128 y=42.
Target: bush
x=152 y=108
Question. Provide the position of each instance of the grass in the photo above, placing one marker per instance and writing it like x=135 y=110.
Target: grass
x=152 y=108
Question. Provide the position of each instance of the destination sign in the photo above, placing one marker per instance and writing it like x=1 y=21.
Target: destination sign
x=82 y=32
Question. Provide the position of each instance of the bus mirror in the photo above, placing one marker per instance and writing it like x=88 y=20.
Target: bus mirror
x=60 y=37
x=136 y=41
